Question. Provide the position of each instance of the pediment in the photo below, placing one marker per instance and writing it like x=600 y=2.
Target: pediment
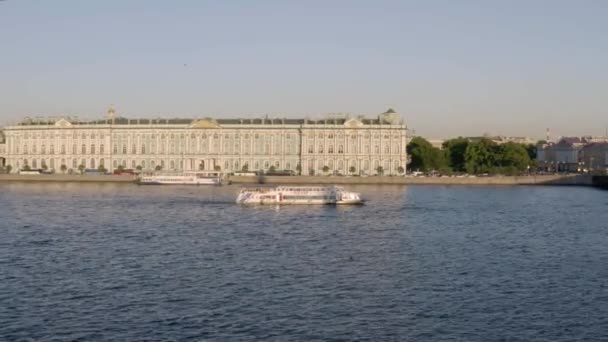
x=205 y=123
x=63 y=123
x=353 y=123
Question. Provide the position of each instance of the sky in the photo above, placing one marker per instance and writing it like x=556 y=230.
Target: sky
x=450 y=68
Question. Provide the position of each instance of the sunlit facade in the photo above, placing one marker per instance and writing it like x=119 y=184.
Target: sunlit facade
x=346 y=145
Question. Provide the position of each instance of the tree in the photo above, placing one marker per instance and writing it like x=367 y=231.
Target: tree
x=311 y=172
x=217 y=168
x=245 y=167
x=63 y=168
x=425 y=157
x=138 y=168
x=158 y=168
x=120 y=168
x=380 y=170
x=8 y=168
x=272 y=168
x=44 y=167
x=455 y=150
x=512 y=158
x=325 y=169
x=480 y=156
x=81 y=168
x=299 y=169
x=26 y=168
x=400 y=169
x=352 y=169
x=101 y=168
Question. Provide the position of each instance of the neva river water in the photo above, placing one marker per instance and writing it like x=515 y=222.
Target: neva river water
x=109 y=262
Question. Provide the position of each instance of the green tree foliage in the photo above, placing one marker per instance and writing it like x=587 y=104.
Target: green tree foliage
x=352 y=169
x=425 y=157
x=513 y=158
x=325 y=169
x=480 y=156
x=485 y=156
x=455 y=150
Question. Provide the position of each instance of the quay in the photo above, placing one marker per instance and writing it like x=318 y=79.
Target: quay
x=572 y=180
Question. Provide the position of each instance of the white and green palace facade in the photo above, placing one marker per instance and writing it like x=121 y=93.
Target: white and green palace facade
x=347 y=145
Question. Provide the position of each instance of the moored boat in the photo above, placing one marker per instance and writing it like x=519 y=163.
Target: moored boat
x=187 y=177
x=298 y=195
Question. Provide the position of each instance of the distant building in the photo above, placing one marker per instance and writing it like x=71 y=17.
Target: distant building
x=574 y=154
x=517 y=140
x=347 y=145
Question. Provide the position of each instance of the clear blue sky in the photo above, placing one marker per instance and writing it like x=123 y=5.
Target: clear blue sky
x=449 y=67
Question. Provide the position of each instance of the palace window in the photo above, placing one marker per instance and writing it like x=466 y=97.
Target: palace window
x=92 y=148
x=143 y=148
x=43 y=149
x=84 y=149
x=133 y=149
x=92 y=165
x=74 y=163
x=311 y=149
x=330 y=149
x=320 y=148
x=124 y=149
x=62 y=149
x=376 y=149
x=115 y=149
x=387 y=149
x=340 y=149
x=101 y=149
x=24 y=149
x=52 y=151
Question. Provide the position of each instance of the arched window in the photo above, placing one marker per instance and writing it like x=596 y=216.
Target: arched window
x=24 y=149
x=320 y=148
x=92 y=164
x=143 y=164
x=101 y=162
x=62 y=149
x=340 y=165
x=330 y=149
x=340 y=149
x=34 y=164
x=133 y=164
x=366 y=165
x=367 y=149
x=256 y=165
x=84 y=149
x=101 y=149
x=226 y=165
x=115 y=163
x=52 y=163
x=376 y=149
x=74 y=163
x=92 y=148
x=52 y=151
x=266 y=164
x=387 y=149
x=83 y=163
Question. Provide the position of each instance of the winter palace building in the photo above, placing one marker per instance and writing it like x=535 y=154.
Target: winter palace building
x=345 y=145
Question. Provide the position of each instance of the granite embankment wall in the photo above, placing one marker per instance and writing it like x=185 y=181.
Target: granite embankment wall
x=523 y=180
x=67 y=178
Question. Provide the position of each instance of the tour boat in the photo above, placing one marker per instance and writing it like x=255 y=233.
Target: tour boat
x=187 y=177
x=298 y=195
